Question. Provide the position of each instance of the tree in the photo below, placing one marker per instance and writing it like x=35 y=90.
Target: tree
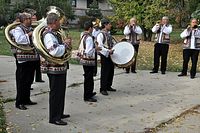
x=8 y=10
x=146 y=11
x=94 y=10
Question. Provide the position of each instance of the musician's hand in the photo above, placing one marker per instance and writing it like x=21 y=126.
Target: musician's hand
x=30 y=33
x=68 y=41
x=98 y=48
x=111 y=51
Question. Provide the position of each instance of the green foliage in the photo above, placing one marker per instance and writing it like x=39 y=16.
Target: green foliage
x=94 y=10
x=146 y=11
x=8 y=10
x=2 y=118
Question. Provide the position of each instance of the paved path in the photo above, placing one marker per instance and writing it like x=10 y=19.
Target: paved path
x=142 y=101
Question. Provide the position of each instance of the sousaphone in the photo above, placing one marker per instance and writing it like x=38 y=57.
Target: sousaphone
x=38 y=43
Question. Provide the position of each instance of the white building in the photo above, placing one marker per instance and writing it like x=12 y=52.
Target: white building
x=80 y=6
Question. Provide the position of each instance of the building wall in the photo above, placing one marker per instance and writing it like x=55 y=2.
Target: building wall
x=81 y=6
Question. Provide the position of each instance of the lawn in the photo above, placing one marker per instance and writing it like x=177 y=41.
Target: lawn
x=145 y=55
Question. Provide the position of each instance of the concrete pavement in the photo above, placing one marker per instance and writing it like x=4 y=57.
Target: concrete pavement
x=142 y=102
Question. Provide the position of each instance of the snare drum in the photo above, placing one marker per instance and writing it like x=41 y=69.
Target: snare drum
x=124 y=54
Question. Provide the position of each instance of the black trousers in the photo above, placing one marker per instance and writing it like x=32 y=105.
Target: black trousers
x=38 y=74
x=107 y=73
x=24 y=76
x=88 y=81
x=133 y=66
x=187 y=54
x=95 y=67
x=57 y=84
x=160 y=50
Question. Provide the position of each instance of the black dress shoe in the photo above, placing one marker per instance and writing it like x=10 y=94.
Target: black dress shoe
x=192 y=77
x=93 y=94
x=152 y=72
x=31 y=88
x=127 y=72
x=162 y=72
x=21 y=107
x=133 y=71
x=182 y=74
x=65 y=116
x=104 y=93
x=90 y=100
x=59 y=122
x=42 y=81
x=111 y=89
x=30 y=103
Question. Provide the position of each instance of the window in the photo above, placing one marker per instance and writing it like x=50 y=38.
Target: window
x=90 y=2
x=73 y=2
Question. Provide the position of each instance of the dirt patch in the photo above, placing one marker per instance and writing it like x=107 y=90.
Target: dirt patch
x=182 y=123
x=1 y=81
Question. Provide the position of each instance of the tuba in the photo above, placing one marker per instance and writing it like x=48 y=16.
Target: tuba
x=11 y=41
x=38 y=43
x=14 y=25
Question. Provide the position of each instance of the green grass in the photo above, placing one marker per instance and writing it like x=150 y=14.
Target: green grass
x=2 y=118
x=4 y=45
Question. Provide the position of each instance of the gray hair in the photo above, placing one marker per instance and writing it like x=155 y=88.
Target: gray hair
x=165 y=17
x=24 y=16
x=52 y=17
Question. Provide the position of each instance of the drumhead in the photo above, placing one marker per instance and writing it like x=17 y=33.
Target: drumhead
x=123 y=53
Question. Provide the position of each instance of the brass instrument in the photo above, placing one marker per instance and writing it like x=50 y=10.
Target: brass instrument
x=8 y=35
x=37 y=34
x=11 y=41
x=97 y=23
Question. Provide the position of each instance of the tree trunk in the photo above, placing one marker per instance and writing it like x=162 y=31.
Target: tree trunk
x=147 y=34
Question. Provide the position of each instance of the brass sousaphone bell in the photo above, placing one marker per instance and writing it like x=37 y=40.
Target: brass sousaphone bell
x=38 y=43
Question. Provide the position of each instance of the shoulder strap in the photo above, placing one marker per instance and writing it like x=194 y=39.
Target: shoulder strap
x=22 y=29
x=84 y=37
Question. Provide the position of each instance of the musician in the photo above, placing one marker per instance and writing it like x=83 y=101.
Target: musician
x=95 y=32
x=25 y=67
x=161 y=47
x=55 y=72
x=191 y=47
x=132 y=32
x=104 y=40
x=87 y=55
x=38 y=74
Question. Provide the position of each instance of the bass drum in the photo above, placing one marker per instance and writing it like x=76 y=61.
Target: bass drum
x=124 y=54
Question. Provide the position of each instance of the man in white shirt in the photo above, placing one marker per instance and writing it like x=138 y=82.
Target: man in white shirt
x=95 y=32
x=191 y=48
x=104 y=40
x=55 y=72
x=132 y=32
x=161 y=48
x=87 y=55
x=26 y=59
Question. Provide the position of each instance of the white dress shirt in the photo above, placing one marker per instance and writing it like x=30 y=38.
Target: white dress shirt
x=104 y=51
x=95 y=32
x=20 y=37
x=164 y=29
x=195 y=34
x=89 y=46
x=137 y=30
x=51 y=43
